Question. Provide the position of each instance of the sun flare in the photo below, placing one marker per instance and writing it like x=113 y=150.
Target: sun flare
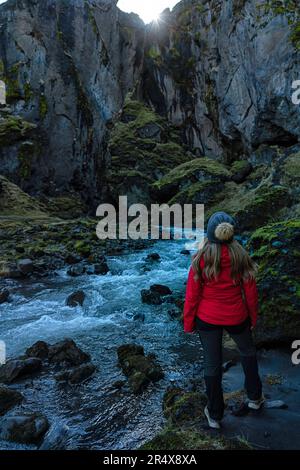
x=147 y=10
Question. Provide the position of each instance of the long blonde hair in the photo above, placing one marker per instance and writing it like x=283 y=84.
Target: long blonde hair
x=242 y=266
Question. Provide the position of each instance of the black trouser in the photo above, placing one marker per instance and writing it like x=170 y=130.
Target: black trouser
x=211 y=339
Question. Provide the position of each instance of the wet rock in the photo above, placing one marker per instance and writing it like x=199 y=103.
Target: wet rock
x=160 y=289
x=67 y=352
x=39 y=349
x=153 y=257
x=182 y=407
x=72 y=259
x=9 y=398
x=140 y=369
x=151 y=298
x=118 y=384
x=4 y=295
x=19 y=368
x=101 y=268
x=77 y=375
x=10 y=270
x=139 y=316
x=75 y=299
x=26 y=266
x=24 y=428
x=76 y=271
x=56 y=438
x=185 y=252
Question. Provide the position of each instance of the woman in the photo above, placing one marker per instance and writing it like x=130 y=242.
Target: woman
x=221 y=293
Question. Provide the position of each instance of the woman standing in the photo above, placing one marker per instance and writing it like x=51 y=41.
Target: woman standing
x=221 y=293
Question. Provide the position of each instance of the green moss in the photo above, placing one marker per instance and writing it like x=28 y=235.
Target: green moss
x=1 y=68
x=43 y=106
x=28 y=92
x=14 y=128
x=196 y=166
x=290 y=9
x=239 y=166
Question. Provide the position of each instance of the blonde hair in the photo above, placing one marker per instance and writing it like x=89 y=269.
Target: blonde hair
x=242 y=266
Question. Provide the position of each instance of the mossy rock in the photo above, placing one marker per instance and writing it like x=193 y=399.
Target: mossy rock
x=13 y=129
x=143 y=147
x=275 y=248
x=179 y=183
x=176 y=438
x=183 y=407
x=15 y=202
x=140 y=369
x=251 y=208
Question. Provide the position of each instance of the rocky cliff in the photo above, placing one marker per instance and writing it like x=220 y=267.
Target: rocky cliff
x=219 y=73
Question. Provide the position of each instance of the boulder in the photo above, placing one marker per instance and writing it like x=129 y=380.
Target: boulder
x=140 y=369
x=66 y=352
x=275 y=247
x=77 y=375
x=39 y=349
x=10 y=270
x=185 y=252
x=24 y=428
x=150 y=297
x=75 y=271
x=101 y=268
x=19 y=368
x=75 y=299
x=240 y=170
x=9 y=398
x=26 y=266
x=153 y=257
x=72 y=259
x=160 y=289
x=4 y=295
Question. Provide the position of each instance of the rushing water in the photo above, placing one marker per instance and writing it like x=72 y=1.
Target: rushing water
x=97 y=415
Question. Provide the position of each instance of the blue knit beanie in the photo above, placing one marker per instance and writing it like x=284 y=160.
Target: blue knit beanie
x=220 y=228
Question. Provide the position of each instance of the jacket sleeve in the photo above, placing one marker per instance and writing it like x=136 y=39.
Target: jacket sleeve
x=192 y=297
x=251 y=298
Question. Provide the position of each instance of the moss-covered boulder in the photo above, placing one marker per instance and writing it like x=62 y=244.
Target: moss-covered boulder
x=15 y=202
x=173 y=438
x=143 y=147
x=197 y=180
x=181 y=407
x=140 y=369
x=275 y=248
x=14 y=128
x=251 y=207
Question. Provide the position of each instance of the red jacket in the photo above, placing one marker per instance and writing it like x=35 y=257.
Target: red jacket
x=221 y=301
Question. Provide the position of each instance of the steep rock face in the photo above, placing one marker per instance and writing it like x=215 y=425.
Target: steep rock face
x=223 y=71
x=68 y=69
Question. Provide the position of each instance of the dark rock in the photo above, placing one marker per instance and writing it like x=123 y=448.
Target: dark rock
x=160 y=289
x=139 y=316
x=39 y=349
x=101 y=268
x=151 y=298
x=67 y=352
x=24 y=428
x=11 y=271
x=8 y=399
x=4 y=295
x=26 y=266
x=19 y=368
x=185 y=252
x=153 y=257
x=140 y=369
x=241 y=170
x=118 y=384
x=150 y=131
x=75 y=271
x=77 y=375
x=72 y=259
x=75 y=299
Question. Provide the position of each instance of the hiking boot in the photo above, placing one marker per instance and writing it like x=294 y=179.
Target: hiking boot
x=256 y=404
x=212 y=422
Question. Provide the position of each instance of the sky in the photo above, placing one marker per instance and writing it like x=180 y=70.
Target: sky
x=148 y=10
